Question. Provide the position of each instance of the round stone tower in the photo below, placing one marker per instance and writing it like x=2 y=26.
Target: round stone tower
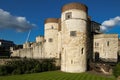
x=74 y=23
x=51 y=38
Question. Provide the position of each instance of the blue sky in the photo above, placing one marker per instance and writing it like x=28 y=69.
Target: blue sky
x=36 y=11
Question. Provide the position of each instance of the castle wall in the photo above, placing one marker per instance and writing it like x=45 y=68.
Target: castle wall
x=15 y=53
x=106 y=47
x=25 y=52
x=38 y=51
x=35 y=52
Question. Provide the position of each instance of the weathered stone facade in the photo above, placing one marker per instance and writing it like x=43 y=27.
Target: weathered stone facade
x=106 y=47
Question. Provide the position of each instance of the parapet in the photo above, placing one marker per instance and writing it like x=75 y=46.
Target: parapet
x=105 y=36
x=74 y=6
x=51 y=20
x=39 y=39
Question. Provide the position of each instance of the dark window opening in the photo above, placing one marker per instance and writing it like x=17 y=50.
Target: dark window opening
x=72 y=33
x=68 y=15
x=96 y=56
x=71 y=61
x=52 y=27
x=60 y=55
x=108 y=43
x=50 y=40
x=82 y=50
x=44 y=40
x=96 y=44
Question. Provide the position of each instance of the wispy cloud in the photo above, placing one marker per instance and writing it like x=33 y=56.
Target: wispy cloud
x=110 y=23
x=8 y=21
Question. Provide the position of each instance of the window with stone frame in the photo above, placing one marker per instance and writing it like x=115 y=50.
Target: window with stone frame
x=68 y=15
x=72 y=33
x=50 y=40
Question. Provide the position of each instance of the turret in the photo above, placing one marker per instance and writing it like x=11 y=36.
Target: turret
x=75 y=36
x=51 y=38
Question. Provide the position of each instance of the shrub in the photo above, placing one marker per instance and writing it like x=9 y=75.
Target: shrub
x=116 y=70
x=23 y=66
x=17 y=71
x=3 y=70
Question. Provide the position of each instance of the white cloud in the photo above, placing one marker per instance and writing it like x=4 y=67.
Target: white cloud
x=110 y=23
x=103 y=28
x=19 y=24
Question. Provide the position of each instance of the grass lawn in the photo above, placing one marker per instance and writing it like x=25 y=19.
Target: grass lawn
x=56 y=75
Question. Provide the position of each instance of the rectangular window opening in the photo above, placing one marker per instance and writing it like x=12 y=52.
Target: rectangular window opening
x=108 y=43
x=50 y=40
x=71 y=61
x=73 y=33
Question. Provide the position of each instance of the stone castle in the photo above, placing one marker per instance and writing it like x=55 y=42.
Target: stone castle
x=74 y=39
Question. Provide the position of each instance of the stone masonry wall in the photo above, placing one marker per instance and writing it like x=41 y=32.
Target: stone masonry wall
x=106 y=45
x=35 y=52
